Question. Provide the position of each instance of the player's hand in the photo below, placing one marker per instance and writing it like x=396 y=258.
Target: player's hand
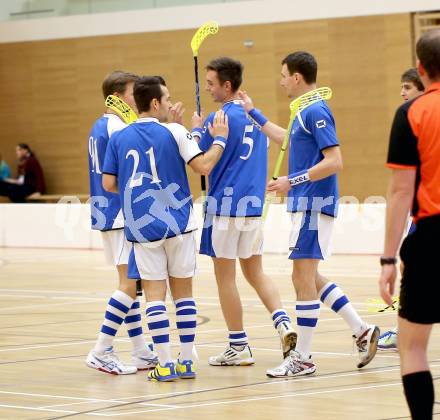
x=280 y=185
x=245 y=100
x=219 y=126
x=176 y=113
x=197 y=120
x=387 y=282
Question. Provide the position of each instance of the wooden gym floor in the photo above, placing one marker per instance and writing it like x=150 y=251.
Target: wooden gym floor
x=51 y=306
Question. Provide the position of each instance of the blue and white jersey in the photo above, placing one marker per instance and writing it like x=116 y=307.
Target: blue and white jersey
x=105 y=207
x=238 y=181
x=313 y=130
x=149 y=158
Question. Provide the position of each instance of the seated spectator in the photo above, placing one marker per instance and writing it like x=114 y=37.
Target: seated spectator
x=5 y=172
x=30 y=178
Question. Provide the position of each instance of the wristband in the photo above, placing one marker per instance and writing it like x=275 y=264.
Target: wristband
x=197 y=131
x=258 y=117
x=298 y=178
x=388 y=260
x=220 y=141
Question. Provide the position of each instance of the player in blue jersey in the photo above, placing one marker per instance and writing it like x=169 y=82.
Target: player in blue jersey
x=146 y=163
x=233 y=214
x=107 y=217
x=411 y=88
x=314 y=160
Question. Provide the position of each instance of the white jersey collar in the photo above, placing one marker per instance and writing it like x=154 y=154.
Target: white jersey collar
x=110 y=115
x=147 y=119
x=234 y=101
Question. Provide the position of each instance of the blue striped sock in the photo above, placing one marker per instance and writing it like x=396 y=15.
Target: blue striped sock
x=116 y=311
x=133 y=320
x=279 y=316
x=186 y=321
x=307 y=314
x=335 y=299
x=159 y=326
x=237 y=339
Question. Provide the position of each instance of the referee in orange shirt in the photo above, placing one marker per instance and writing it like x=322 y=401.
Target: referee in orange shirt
x=414 y=157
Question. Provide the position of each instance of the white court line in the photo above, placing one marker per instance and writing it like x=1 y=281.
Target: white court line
x=39 y=409
x=108 y=401
x=244 y=400
x=63 y=397
x=173 y=394
x=44 y=305
x=79 y=294
x=200 y=302
x=174 y=344
x=323 y=353
x=85 y=400
x=282 y=381
x=79 y=403
x=46 y=294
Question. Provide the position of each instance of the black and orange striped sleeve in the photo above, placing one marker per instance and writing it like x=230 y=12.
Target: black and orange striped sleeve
x=402 y=150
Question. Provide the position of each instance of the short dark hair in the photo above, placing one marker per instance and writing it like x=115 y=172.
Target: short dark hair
x=26 y=147
x=228 y=70
x=145 y=90
x=428 y=52
x=117 y=81
x=161 y=80
x=412 y=76
x=304 y=63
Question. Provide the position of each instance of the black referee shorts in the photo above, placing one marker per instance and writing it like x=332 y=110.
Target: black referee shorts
x=420 y=287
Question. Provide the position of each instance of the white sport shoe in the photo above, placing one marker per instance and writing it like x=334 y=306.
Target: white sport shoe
x=293 y=365
x=144 y=360
x=388 y=341
x=233 y=357
x=366 y=344
x=108 y=362
x=288 y=337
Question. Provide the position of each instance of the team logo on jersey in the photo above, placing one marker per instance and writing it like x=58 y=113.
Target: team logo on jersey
x=162 y=201
x=321 y=124
x=189 y=136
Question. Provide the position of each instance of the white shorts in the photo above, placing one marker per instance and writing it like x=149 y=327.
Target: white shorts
x=310 y=236
x=116 y=247
x=231 y=237
x=174 y=257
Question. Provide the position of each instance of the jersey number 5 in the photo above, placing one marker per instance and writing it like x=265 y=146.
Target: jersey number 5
x=136 y=179
x=248 y=140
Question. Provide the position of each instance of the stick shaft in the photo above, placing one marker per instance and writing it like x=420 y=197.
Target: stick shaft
x=199 y=110
x=284 y=146
x=196 y=75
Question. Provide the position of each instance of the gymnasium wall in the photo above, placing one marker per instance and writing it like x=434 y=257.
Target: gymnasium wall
x=67 y=225
x=51 y=89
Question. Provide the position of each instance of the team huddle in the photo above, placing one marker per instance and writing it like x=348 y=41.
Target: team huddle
x=142 y=204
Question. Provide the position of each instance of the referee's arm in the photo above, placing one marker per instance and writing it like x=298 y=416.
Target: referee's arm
x=403 y=160
x=399 y=198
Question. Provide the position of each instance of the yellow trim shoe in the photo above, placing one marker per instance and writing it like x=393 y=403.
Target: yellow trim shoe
x=165 y=373
x=186 y=369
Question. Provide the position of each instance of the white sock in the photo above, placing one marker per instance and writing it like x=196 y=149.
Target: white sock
x=159 y=326
x=117 y=308
x=186 y=321
x=133 y=321
x=307 y=314
x=335 y=299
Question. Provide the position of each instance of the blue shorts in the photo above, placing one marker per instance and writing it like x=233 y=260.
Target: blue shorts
x=310 y=236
